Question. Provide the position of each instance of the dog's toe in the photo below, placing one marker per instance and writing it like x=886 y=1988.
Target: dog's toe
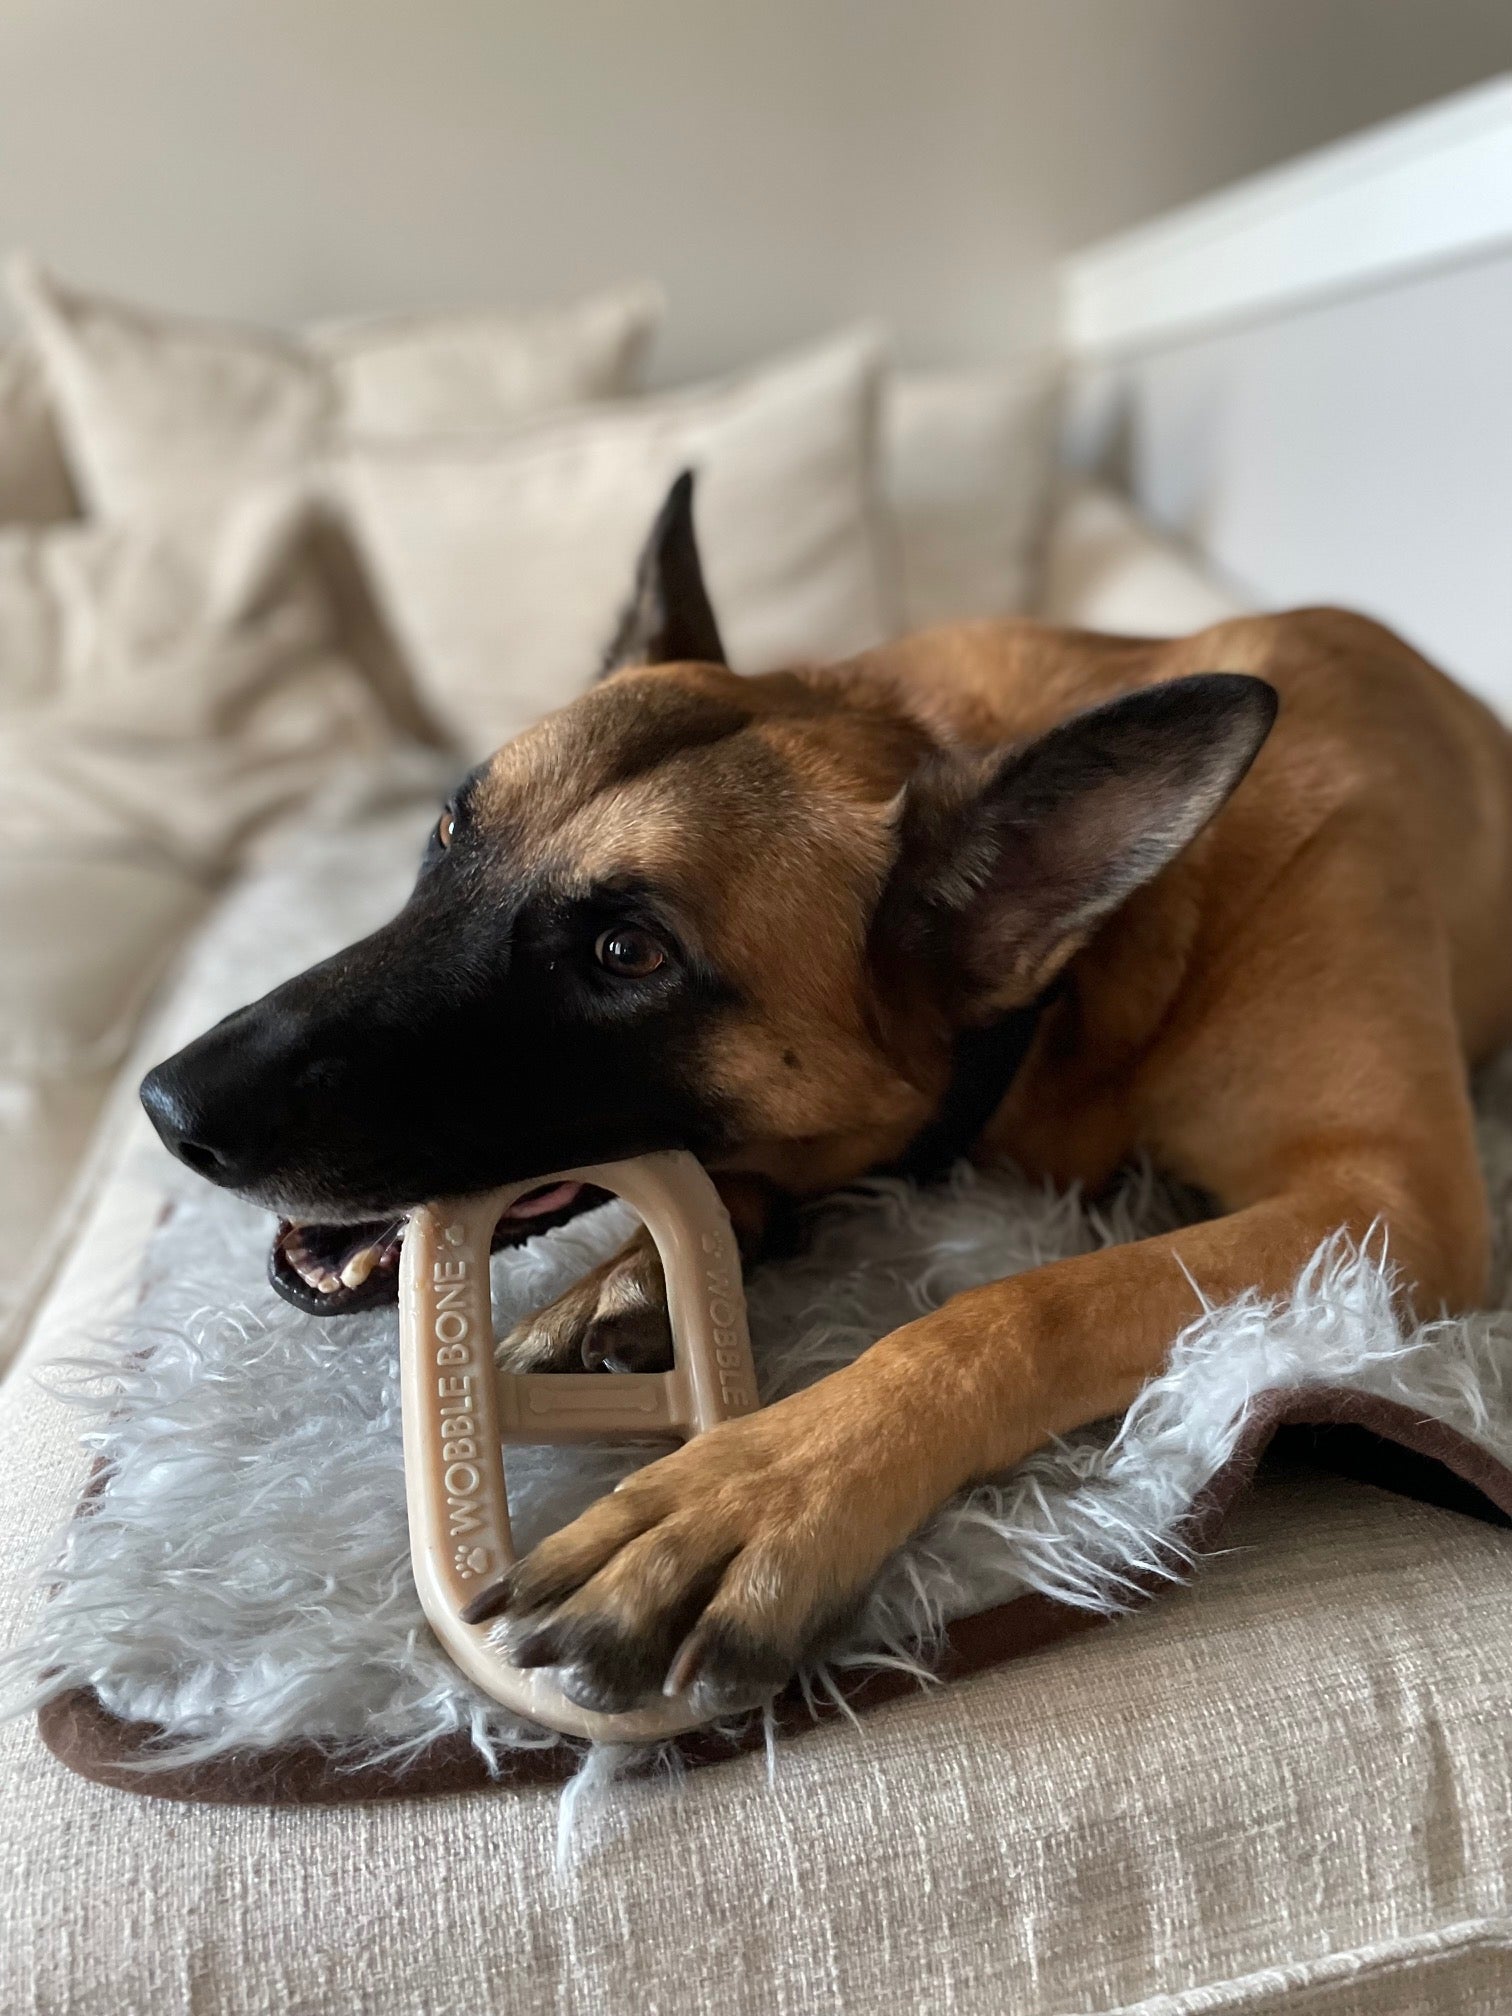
x=721 y=1568
x=615 y=1320
x=628 y=1340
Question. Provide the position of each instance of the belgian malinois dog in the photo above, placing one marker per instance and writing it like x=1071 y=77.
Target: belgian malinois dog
x=1241 y=901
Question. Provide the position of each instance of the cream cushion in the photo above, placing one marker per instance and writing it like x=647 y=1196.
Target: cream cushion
x=504 y=563
x=35 y=487
x=401 y=376
x=158 y=408
x=155 y=409
x=1106 y=568
x=170 y=687
x=85 y=939
x=166 y=695
x=967 y=460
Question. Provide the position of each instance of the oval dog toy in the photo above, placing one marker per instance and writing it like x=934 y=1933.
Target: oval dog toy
x=459 y=1409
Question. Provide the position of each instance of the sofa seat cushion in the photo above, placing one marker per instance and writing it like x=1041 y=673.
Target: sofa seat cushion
x=1292 y=1776
x=85 y=936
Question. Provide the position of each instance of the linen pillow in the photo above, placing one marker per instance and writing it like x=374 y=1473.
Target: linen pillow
x=967 y=458
x=166 y=692
x=157 y=409
x=34 y=482
x=168 y=689
x=1106 y=568
x=504 y=563
x=399 y=376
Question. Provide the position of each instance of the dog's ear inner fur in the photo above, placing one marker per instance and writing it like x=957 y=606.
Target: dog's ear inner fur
x=1008 y=862
x=669 y=617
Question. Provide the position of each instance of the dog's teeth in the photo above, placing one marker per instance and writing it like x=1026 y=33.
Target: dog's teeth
x=305 y=1265
x=320 y=1274
x=359 y=1266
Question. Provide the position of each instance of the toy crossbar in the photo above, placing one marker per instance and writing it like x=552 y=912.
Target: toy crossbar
x=459 y=1409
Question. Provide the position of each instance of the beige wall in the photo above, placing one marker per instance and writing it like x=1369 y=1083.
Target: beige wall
x=780 y=164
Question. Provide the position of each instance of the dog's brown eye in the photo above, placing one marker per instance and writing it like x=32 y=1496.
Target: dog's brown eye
x=631 y=953
x=446 y=826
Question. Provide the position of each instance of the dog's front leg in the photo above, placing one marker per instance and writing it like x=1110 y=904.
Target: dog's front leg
x=615 y=1317
x=736 y=1557
x=740 y=1553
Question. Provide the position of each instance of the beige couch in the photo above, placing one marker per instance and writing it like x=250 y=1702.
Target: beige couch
x=1288 y=1786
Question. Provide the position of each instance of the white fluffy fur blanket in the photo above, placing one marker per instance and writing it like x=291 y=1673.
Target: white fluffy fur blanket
x=243 y=1579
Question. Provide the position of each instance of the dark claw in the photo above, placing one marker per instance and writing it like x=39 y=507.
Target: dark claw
x=603 y=1694
x=490 y=1602
x=536 y=1648
x=635 y=1340
x=606 y=1668
x=730 y=1663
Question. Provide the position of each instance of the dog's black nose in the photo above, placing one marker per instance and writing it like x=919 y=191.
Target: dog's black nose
x=168 y=1111
x=204 y=1120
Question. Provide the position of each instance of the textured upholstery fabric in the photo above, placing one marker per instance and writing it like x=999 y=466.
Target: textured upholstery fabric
x=35 y=487
x=967 y=458
x=156 y=407
x=504 y=563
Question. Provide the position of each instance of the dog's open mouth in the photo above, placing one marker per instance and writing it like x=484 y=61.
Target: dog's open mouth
x=332 y=1270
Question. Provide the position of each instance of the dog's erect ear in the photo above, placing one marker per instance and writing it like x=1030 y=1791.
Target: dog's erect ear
x=669 y=617
x=1007 y=864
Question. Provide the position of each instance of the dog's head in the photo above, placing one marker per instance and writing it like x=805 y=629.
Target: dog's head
x=742 y=916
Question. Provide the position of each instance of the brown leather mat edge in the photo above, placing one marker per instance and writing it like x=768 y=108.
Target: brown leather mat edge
x=85 y=1736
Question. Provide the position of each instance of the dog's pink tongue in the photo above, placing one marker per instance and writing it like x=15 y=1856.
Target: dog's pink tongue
x=536 y=1203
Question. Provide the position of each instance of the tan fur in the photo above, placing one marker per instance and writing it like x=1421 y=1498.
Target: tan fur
x=1282 y=1017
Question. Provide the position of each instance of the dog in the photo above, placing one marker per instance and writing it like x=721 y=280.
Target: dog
x=1240 y=902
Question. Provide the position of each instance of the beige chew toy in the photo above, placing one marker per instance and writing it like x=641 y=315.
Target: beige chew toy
x=459 y=1409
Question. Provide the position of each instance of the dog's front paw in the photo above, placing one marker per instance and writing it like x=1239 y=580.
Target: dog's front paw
x=614 y=1319
x=727 y=1563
